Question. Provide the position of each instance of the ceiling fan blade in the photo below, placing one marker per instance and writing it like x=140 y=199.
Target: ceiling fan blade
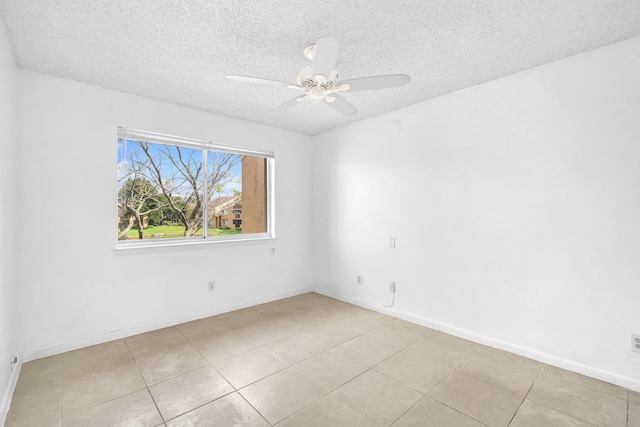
x=378 y=82
x=325 y=56
x=342 y=105
x=257 y=80
x=290 y=103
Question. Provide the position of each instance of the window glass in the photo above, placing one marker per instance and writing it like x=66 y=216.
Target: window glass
x=171 y=191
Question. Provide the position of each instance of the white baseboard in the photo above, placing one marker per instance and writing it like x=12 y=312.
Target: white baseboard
x=124 y=333
x=8 y=394
x=549 y=359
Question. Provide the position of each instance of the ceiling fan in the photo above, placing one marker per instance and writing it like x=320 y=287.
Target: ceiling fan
x=320 y=79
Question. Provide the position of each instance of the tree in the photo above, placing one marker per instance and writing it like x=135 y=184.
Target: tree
x=137 y=197
x=178 y=174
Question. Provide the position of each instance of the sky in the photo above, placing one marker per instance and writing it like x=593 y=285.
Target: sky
x=130 y=153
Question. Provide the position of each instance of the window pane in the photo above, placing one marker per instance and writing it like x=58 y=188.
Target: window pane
x=224 y=183
x=159 y=191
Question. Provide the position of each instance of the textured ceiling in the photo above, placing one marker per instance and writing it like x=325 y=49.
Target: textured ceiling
x=180 y=51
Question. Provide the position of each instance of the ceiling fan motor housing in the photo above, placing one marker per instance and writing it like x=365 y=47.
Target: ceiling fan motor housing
x=317 y=89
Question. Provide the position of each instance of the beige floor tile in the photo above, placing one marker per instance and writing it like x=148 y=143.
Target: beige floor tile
x=171 y=364
x=634 y=415
x=94 y=359
x=429 y=413
x=331 y=315
x=243 y=318
x=281 y=394
x=327 y=411
x=453 y=350
x=304 y=305
x=576 y=378
x=203 y=328
x=39 y=366
x=296 y=348
x=337 y=307
x=407 y=328
x=581 y=402
x=230 y=410
x=506 y=370
x=332 y=334
x=133 y=409
x=186 y=392
x=40 y=373
x=398 y=336
x=224 y=346
x=330 y=369
x=149 y=334
x=378 y=397
x=308 y=301
x=93 y=390
x=532 y=414
x=154 y=345
x=352 y=308
x=35 y=408
x=300 y=321
x=477 y=399
x=266 y=332
x=249 y=367
x=369 y=350
x=366 y=320
x=634 y=397
x=417 y=371
x=276 y=310
x=39 y=420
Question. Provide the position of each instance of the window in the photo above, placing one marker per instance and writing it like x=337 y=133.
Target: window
x=178 y=190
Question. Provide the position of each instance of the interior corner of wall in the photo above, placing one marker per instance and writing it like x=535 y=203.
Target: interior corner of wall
x=8 y=394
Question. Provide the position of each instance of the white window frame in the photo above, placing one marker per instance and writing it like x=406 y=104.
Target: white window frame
x=157 y=138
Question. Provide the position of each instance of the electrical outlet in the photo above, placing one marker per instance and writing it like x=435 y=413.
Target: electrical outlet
x=392 y=286
x=392 y=243
x=359 y=280
x=14 y=362
x=635 y=343
x=212 y=286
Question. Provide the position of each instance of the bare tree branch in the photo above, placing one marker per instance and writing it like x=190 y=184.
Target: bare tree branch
x=181 y=180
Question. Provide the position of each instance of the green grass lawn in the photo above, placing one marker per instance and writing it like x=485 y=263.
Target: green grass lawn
x=178 y=231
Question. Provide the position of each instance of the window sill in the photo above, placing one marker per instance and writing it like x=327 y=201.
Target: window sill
x=146 y=244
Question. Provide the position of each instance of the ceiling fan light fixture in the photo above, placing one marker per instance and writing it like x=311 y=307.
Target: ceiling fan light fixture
x=317 y=92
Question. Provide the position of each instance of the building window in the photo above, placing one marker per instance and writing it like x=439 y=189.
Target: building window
x=178 y=190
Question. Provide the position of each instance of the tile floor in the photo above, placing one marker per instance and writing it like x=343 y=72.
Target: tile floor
x=308 y=360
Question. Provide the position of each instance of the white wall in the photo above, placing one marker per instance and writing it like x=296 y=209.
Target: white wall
x=75 y=288
x=9 y=344
x=516 y=209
